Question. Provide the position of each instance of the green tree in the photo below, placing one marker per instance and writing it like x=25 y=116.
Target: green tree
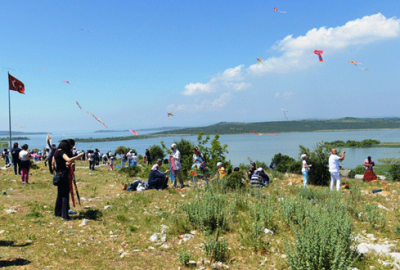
x=185 y=147
x=156 y=152
x=319 y=172
x=217 y=154
x=121 y=149
x=282 y=162
x=394 y=172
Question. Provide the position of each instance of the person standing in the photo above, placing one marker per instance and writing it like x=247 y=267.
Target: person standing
x=369 y=174
x=304 y=169
x=25 y=163
x=15 y=158
x=148 y=156
x=334 y=168
x=128 y=157
x=61 y=159
x=5 y=156
x=53 y=149
x=176 y=155
x=123 y=159
x=134 y=159
x=91 y=160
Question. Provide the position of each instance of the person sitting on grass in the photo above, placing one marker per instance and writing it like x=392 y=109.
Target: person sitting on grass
x=158 y=179
x=135 y=186
x=259 y=178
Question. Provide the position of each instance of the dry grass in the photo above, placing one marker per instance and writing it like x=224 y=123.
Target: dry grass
x=34 y=238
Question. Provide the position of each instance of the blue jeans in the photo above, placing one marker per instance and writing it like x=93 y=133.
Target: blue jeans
x=305 y=178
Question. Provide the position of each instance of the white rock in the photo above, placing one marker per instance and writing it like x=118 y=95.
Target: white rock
x=394 y=192
x=9 y=211
x=108 y=206
x=267 y=231
x=187 y=237
x=383 y=207
x=60 y=232
x=166 y=246
x=283 y=256
x=2 y=231
x=155 y=237
x=164 y=238
x=192 y=263
x=84 y=222
x=395 y=256
x=124 y=254
x=386 y=263
x=151 y=247
x=164 y=228
x=370 y=235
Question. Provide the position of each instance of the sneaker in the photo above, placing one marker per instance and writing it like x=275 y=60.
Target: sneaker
x=72 y=212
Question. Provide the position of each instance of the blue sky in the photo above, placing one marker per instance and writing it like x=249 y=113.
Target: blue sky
x=197 y=59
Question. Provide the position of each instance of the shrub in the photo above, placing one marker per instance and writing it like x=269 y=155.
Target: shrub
x=220 y=248
x=282 y=162
x=374 y=216
x=394 y=172
x=319 y=173
x=121 y=149
x=132 y=171
x=156 y=152
x=234 y=181
x=359 y=169
x=184 y=256
x=186 y=149
x=322 y=239
x=209 y=213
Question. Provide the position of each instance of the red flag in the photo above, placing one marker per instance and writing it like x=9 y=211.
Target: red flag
x=15 y=84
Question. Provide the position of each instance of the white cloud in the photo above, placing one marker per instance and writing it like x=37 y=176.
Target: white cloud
x=230 y=79
x=202 y=105
x=286 y=95
x=297 y=52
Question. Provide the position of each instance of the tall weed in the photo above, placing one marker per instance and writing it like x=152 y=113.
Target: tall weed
x=220 y=248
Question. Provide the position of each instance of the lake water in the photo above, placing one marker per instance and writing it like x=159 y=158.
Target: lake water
x=241 y=146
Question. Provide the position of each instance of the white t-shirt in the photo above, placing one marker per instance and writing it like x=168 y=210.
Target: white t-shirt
x=304 y=164
x=23 y=155
x=334 y=163
x=134 y=157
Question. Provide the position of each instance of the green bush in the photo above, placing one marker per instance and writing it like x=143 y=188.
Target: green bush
x=282 y=162
x=374 y=216
x=184 y=256
x=322 y=239
x=319 y=172
x=234 y=181
x=132 y=171
x=220 y=248
x=156 y=152
x=186 y=149
x=209 y=213
x=359 y=169
x=394 y=172
x=121 y=149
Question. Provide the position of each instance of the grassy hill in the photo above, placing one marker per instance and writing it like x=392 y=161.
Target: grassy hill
x=347 y=123
x=112 y=229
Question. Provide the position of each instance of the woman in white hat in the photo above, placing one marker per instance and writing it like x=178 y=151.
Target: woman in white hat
x=304 y=169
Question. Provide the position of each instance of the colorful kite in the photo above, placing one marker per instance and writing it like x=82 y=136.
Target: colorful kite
x=78 y=105
x=284 y=112
x=170 y=114
x=259 y=60
x=356 y=63
x=10 y=68
x=98 y=119
x=42 y=69
x=133 y=132
x=67 y=82
x=256 y=133
x=251 y=161
x=276 y=9
x=19 y=126
x=319 y=53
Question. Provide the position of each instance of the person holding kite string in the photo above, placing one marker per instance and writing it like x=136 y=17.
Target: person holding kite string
x=61 y=159
x=176 y=155
x=251 y=171
x=334 y=168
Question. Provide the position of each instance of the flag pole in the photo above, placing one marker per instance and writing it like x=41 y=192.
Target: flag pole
x=9 y=112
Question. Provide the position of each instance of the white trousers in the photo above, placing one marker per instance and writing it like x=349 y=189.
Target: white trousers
x=335 y=177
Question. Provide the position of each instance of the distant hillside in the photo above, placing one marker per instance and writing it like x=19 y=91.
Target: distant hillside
x=347 y=123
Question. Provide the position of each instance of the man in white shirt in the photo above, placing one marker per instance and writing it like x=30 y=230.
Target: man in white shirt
x=334 y=168
x=176 y=155
x=128 y=157
x=134 y=159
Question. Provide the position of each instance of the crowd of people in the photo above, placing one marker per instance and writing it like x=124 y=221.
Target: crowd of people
x=60 y=160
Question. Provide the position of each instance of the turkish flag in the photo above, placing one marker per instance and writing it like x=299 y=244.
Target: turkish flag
x=15 y=84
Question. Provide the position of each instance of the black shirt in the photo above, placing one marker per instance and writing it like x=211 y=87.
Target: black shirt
x=15 y=153
x=60 y=161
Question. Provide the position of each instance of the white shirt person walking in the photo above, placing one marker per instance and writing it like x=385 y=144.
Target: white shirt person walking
x=334 y=168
